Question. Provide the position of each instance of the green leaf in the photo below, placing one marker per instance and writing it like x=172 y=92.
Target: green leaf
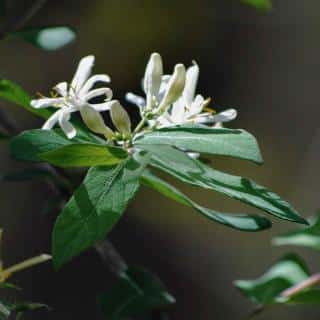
x=264 y=5
x=242 y=222
x=30 y=145
x=308 y=296
x=95 y=207
x=84 y=155
x=192 y=171
x=225 y=142
x=13 y=93
x=47 y=38
x=287 y=272
x=307 y=237
x=136 y=293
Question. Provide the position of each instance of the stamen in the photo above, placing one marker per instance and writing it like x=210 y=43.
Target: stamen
x=40 y=95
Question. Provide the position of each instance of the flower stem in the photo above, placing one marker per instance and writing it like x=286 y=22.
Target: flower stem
x=140 y=125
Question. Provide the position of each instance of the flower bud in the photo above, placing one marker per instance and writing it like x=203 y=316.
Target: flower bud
x=175 y=87
x=120 y=118
x=94 y=121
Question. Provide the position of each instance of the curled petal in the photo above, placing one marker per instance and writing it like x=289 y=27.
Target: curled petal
x=94 y=121
x=120 y=118
x=174 y=88
x=61 y=88
x=51 y=122
x=192 y=76
x=197 y=105
x=65 y=124
x=46 y=102
x=135 y=99
x=83 y=72
x=224 y=116
x=102 y=106
x=92 y=81
x=98 y=92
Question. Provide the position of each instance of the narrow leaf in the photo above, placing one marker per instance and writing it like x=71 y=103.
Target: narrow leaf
x=14 y=93
x=47 y=38
x=242 y=222
x=225 y=142
x=308 y=296
x=192 y=171
x=307 y=237
x=95 y=207
x=264 y=5
x=136 y=293
x=84 y=155
x=287 y=272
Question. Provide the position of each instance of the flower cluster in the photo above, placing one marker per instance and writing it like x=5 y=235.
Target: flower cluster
x=169 y=100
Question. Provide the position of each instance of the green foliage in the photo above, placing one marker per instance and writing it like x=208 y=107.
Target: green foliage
x=193 y=172
x=259 y=4
x=47 y=38
x=136 y=293
x=84 y=155
x=225 y=142
x=95 y=207
x=241 y=222
x=307 y=237
x=287 y=272
x=13 y=93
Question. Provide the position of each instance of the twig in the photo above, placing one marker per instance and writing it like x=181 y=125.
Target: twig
x=308 y=283
x=17 y=22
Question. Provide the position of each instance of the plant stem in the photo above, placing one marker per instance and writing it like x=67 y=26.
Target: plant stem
x=308 y=283
x=140 y=125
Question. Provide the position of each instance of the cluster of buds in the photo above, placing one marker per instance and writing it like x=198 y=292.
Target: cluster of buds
x=169 y=100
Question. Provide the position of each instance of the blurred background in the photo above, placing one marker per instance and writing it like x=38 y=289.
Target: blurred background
x=264 y=64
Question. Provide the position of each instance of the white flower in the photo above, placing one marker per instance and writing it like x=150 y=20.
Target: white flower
x=161 y=90
x=190 y=108
x=71 y=98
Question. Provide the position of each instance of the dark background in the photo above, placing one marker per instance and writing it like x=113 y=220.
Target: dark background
x=265 y=65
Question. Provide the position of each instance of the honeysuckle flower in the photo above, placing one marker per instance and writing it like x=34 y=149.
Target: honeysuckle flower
x=161 y=90
x=120 y=118
x=72 y=97
x=191 y=108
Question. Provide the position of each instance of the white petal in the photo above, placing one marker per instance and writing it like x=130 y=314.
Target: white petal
x=92 y=81
x=224 y=116
x=62 y=88
x=102 y=106
x=152 y=77
x=46 y=102
x=178 y=111
x=51 y=122
x=98 y=92
x=135 y=99
x=196 y=106
x=66 y=125
x=94 y=121
x=175 y=87
x=83 y=72
x=120 y=118
x=192 y=76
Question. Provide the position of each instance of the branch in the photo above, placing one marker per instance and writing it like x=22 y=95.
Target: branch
x=308 y=283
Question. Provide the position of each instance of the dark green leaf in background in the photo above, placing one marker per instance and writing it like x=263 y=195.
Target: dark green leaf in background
x=136 y=293
x=191 y=171
x=47 y=38
x=264 y=5
x=287 y=272
x=241 y=222
x=307 y=237
x=95 y=207
x=84 y=155
x=225 y=142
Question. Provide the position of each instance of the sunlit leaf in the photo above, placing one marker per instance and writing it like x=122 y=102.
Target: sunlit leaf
x=225 y=142
x=192 y=171
x=47 y=38
x=286 y=273
x=307 y=237
x=95 y=207
x=136 y=293
x=241 y=222
x=84 y=155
